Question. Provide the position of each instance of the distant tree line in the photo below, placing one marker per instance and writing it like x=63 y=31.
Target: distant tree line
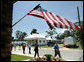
x=19 y=35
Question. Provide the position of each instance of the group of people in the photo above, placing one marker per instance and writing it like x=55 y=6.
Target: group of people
x=29 y=46
x=56 y=49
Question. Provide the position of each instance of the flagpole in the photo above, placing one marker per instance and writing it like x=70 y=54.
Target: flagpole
x=19 y=20
x=26 y=15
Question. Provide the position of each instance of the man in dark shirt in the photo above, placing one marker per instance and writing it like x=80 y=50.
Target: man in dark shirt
x=23 y=47
x=36 y=49
x=56 y=47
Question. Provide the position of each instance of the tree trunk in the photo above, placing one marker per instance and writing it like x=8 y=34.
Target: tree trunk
x=6 y=29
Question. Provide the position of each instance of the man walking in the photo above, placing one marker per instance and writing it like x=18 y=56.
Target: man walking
x=23 y=47
x=56 y=47
x=36 y=49
x=14 y=47
x=29 y=46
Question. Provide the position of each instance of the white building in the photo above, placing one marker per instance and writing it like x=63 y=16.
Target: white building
x=36 y=37
x=42 y=40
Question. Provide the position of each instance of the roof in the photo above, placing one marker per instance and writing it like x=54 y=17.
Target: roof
x=49 y=38
x=34 y=36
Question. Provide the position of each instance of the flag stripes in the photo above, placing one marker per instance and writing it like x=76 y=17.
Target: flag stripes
x=36 y=13
x=68 y=23
x=54 y=20
x=59 y=25
x=58 y=21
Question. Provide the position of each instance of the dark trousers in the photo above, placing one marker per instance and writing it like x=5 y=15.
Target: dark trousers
x=36 y=52
x=57 y=52
x=24 y=50
x=29 y=50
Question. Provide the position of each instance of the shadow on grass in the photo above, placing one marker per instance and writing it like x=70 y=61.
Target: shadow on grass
x=72 y=46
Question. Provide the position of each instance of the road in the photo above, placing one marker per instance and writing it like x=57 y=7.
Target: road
x=67 y=54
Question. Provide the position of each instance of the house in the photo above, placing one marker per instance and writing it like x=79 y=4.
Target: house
x=42 y=40
x=36 y=37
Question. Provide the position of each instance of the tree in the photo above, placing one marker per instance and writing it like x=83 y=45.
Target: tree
x=67 y=33
x=23 y=35
x=62 y=36
x=34 y=31
x=79 y=35
x=6 y=29
x=20 y=35
x=58 y=37
x=12 y=38
x=51 y=33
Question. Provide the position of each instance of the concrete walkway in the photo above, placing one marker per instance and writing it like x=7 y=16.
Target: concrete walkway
x=67 y=54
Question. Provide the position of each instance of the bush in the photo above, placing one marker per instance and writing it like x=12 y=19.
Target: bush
x=48 y=56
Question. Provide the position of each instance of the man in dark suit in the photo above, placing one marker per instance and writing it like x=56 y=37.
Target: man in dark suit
x=36 y=49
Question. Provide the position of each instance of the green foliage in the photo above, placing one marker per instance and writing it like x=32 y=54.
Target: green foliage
x=66 y=33
x=51 y=33
x=12 y=38
x=20 y=35
x=33 y=31
x=48 y=55
x=78 y=34
x=58 y=36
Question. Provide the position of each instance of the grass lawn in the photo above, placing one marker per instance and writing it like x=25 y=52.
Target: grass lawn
x=15 y=57
x=43 y=46
x=78 y=44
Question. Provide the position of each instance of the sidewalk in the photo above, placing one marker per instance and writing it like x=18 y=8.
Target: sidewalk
x=20 y=52
x=44 y=51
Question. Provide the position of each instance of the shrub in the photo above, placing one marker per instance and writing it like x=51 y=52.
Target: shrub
x=48 y=56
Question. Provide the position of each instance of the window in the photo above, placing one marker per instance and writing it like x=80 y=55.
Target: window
x=44 y=41
x=39 y=41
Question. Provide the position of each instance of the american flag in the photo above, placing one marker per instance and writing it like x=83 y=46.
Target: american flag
x=52 y=19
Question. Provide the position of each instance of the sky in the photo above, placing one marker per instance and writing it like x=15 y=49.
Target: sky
x=67 y=9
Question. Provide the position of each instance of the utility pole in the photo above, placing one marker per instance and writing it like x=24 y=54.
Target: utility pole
x=78 y=15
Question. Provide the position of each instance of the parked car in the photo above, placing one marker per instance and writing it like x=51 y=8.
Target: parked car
x=50 y=43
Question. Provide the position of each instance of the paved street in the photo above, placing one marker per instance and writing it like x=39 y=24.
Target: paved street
x=67 y=54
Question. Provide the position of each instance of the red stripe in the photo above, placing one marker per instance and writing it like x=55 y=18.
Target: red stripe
x=56 y=20
x=36 y=12
x=68 y=23
x=76 y=27
x=36 y=15
x=62 y=21
x=51 y=19
x=51 y=27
